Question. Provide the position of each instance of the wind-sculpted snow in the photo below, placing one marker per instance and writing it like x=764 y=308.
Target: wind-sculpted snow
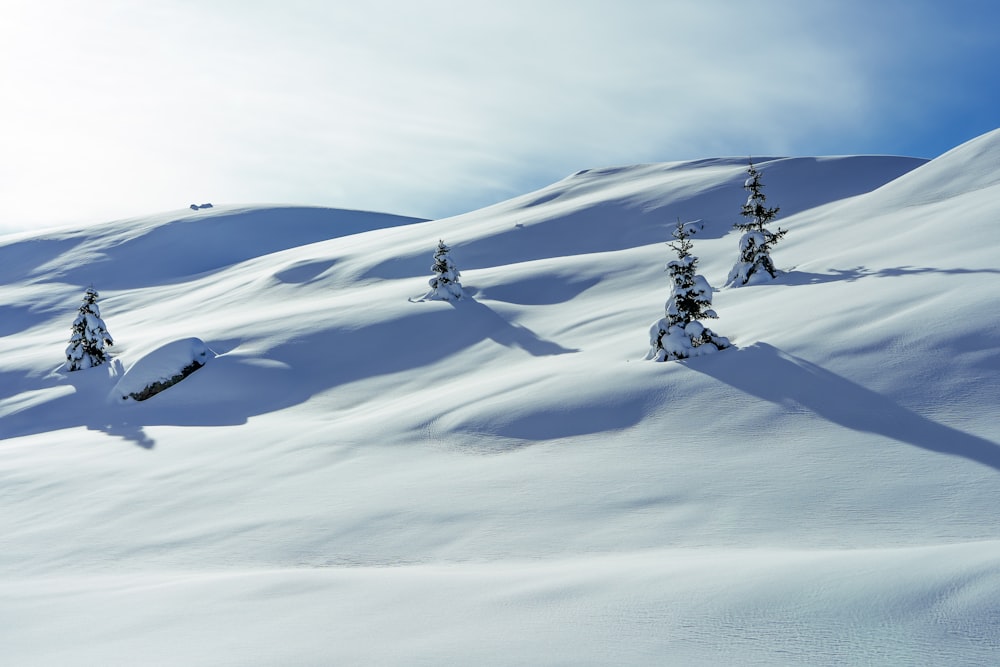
x=360 y=477
x=172 y=247
x=636 y=206
x=969 y=168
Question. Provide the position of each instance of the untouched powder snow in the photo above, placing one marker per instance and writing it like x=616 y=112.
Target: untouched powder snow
x=357 y=478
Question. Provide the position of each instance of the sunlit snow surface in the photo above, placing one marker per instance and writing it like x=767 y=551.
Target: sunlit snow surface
x=359 y=477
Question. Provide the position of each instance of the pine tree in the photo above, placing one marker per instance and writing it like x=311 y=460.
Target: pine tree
x=90 y=336
x=757 y=240
x=680 y=334
x=445 y=283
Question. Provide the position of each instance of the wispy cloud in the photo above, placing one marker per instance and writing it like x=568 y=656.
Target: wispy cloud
x=427 y=108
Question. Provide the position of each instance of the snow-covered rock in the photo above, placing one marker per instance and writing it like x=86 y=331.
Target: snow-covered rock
x=161 y=369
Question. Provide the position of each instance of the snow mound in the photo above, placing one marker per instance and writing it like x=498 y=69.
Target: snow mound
x=172 y=246
x=160 y=369
x=968 y=168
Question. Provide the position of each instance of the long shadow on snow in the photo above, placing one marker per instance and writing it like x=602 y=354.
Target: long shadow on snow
x=17 y=319
x=425 y=334
x=768 y=373
x=226 y=392
x=539 y=290
x=850 y=275
x=232 y=388
x=70 y=400
x=503 y=332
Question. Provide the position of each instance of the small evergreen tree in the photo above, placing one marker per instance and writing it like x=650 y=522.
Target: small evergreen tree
x=90 y=336
x=680 y=334
x=445 y=283
x=757 y=240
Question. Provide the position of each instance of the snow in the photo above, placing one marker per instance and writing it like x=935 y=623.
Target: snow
x=161 y=365
x=356 y=479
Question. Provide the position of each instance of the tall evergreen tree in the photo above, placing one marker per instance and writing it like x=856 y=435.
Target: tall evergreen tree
x=445 y=283
x=680 y=334
x=757 y=240
x=90 y=336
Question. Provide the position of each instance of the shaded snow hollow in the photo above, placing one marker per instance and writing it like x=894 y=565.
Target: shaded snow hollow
x=355 y=478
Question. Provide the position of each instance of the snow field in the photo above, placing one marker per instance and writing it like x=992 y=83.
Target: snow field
x=677 y=604
x=358 y=478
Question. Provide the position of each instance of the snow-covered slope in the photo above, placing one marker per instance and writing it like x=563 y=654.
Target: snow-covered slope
x=357 y=478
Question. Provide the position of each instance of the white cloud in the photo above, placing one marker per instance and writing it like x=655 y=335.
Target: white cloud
x=422 y=108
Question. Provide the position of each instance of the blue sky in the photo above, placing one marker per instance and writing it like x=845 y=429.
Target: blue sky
x=119 y=108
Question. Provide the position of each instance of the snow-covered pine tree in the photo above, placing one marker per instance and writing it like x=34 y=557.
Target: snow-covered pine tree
x=90 y=336
x=680 y=334
x=757 y=240
x=445 y=283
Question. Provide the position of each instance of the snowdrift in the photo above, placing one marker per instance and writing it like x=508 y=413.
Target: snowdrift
x=356 y=477
x=161 y=369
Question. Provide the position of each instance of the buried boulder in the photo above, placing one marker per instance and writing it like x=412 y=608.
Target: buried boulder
x=161 y=369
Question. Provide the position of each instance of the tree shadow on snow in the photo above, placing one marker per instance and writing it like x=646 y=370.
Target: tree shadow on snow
x=770 y=374
x=539 y=290
x=794 y=277
x=70 y=400
x=501 y=331
x=232 y=387
x=900 y=271
x=132 y=433
x=228 y=393
x=809 y=278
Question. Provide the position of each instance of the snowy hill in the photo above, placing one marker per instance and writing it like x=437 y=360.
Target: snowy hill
x=355 y=478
